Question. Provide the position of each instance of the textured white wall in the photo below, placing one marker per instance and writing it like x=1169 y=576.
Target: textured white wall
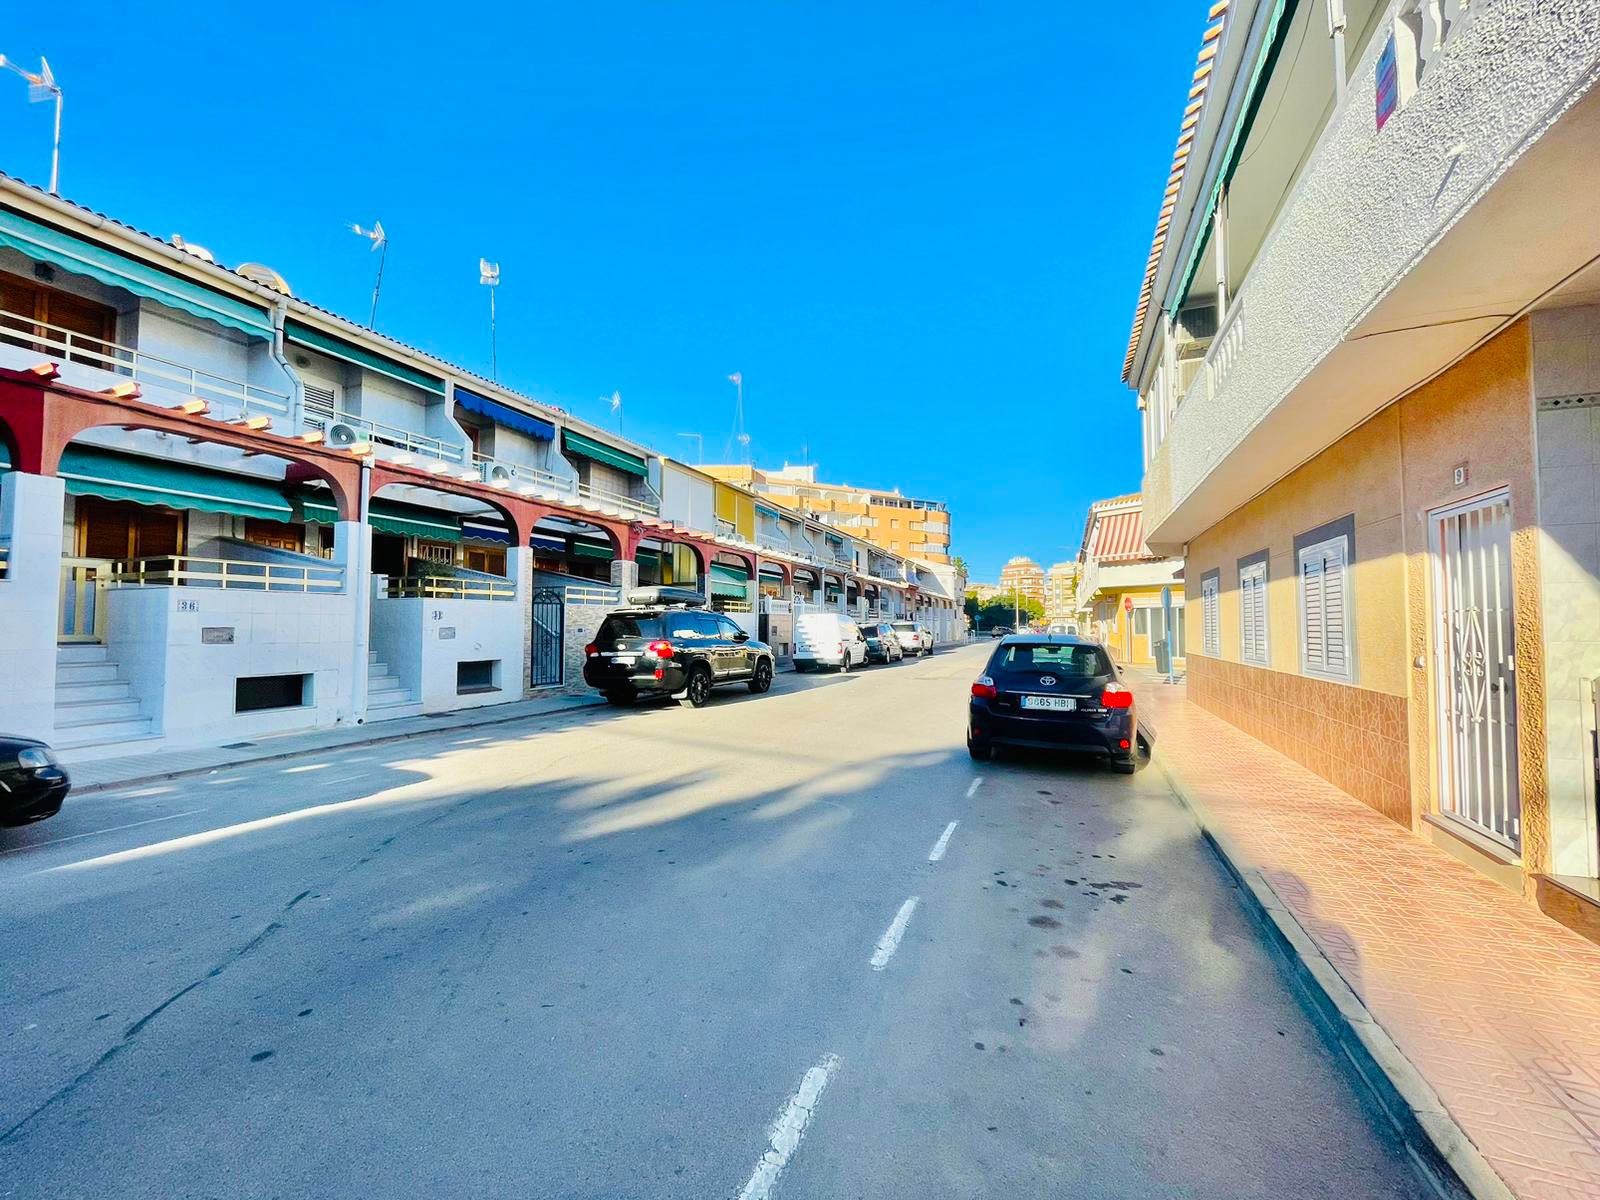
x=31 y=521
x=1368 y=206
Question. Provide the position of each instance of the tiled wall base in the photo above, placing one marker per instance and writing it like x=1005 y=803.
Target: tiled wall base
x=1354 y=738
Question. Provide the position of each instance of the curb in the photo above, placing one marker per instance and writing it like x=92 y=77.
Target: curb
x=1437 y=1143
x=90 y=789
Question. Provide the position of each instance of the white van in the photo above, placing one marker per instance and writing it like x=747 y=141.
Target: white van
x=827 y=640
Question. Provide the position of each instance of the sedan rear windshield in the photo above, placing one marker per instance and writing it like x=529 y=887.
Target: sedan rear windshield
x=1077 y=662
x=617 y=626
x=906 y=626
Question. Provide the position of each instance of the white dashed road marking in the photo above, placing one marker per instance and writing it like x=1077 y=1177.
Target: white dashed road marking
x=972 y=788
x=937 y=852
x=890 y=941
x=789 y=1128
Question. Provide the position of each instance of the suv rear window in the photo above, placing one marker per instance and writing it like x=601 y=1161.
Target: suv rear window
x=618 y=626
x=906 y=626
x=1077 y=662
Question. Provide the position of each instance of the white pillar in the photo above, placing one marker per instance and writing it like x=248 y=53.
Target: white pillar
x=31 y=510
x=519 y=569
x=352 y=549
x=624 y=574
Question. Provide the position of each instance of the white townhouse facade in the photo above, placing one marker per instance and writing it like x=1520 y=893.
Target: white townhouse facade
x=225 y=512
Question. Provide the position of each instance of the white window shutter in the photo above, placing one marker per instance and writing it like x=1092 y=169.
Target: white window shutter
x=318 y=403
x=1313 y=615
x=1335 y=609
x=1253 y=613
x=1208 y=594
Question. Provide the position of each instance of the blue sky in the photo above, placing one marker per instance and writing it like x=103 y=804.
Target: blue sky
x=916 y=229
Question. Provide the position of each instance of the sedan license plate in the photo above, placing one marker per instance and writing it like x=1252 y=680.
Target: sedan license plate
x=625 y=660
x=1059 y=703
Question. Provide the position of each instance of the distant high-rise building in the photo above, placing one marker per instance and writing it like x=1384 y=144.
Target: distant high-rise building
x=1061 y=591
x=1025 y=576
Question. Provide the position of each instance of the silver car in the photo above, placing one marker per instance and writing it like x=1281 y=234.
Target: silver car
x=913 y=637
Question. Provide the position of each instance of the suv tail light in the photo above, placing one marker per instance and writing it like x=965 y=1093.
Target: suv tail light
x=590 y=650
x=983 y=688
x=1116 y=696
x=660 y=649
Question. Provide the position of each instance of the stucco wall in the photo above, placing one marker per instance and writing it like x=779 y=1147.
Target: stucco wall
x=1389 y=474
x=30 y=522
x=1368 y=206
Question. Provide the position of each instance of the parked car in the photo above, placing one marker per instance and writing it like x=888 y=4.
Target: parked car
x=1053 y=693
x=667 y=643
x=882 y=644
x=828 y=640
x=33 y=784
x=1000 y=631
x=914 y=638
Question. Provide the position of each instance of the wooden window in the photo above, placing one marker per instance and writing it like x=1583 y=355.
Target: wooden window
x=82 y=327
x=489 y=559
x=440 y=552
x=275 y=534
x=117 y=530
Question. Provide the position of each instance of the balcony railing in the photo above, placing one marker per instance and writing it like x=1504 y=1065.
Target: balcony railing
x=167 y=570
x=449 y=587
x=772 y=541
x=497 y=470
x=599 y=593
x=231 y=397
x=731 y=604
x=1226 y=346
x=5 y=555
x=401 y=439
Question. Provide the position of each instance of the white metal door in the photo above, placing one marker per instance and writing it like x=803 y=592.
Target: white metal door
x=1477 y=723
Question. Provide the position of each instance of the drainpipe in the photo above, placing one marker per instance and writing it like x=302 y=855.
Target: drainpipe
x=359 y=567
x=280 y=314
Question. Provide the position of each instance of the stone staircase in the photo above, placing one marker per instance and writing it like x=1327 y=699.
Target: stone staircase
x=386 y=695
x=94 y=707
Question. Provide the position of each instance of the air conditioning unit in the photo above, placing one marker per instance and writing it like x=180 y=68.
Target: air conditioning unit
x=341 y=435
x=497 y=474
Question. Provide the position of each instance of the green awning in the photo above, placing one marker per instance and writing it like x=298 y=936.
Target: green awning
x=294 y=331
x=92 y=471
x=385 y=516
x=590 y=550
x=46 y=244
x=601 y=452
x=729 y=580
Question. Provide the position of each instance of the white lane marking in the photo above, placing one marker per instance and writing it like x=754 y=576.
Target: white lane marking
x=95 y=832
x=890 y=941
x=972 y=788
x=789 y=1128
x=937 y=852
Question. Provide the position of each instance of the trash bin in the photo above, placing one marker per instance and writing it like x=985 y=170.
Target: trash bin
x=1163 y=657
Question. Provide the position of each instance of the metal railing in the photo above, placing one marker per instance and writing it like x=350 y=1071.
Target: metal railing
x=771 y=541
x=5 y=556
x=182 y=570
x=731 y=604
x=495 y=469
x=234 y=397
x=449 y=587
x=578 y=593
x=400 y=439
x=82 y=613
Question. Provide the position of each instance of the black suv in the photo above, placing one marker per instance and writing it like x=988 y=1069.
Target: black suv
x=667 y=643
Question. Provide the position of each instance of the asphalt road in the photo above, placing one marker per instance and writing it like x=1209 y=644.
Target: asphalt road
x=659 y=953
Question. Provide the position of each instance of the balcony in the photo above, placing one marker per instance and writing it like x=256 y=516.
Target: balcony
x=397 y=438
x=169 y=570
x=449 y=587
x=499 y=471
x=25 y=341
x=1355 y=295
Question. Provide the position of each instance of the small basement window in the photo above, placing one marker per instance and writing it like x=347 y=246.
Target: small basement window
x=259 y=693
x=475 y=677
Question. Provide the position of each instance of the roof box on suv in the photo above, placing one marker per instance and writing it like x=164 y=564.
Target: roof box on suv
x=666 y=596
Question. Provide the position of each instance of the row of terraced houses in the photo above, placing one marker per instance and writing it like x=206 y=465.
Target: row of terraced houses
x=1367 y=357
x=225 y=512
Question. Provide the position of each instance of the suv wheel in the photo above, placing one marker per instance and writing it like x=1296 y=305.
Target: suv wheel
x=762 y=679
x=844 y=661
x=698 y=691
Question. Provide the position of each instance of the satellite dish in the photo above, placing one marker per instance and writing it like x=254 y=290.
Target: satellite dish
x=341 y=435
x=193 y=248
x=499 y=474
x=265 y=276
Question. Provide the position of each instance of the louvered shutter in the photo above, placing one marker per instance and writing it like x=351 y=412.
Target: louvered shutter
x=1313 y=628
x=1334 y=602
x=1208 y=595
x=318 y=404
x=1253 y=613
x=1324 y=604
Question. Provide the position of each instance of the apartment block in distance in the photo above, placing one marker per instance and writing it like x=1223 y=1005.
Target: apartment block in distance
x=1367 y=356
x=918 y=528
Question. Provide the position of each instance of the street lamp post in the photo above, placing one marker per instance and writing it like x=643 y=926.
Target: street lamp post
x=41 y=86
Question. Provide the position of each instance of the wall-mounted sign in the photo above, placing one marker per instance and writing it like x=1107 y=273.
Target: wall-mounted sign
x=216 y=635
x=1458 y=475
x=446 y=632
x=1388 y=83
x=188 y=606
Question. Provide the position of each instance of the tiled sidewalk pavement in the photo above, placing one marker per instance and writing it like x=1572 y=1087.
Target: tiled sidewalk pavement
x=98 y=774
x=1497 y=1006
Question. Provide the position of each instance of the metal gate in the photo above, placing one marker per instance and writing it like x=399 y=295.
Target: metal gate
x=549 y=628
x=1477 y=721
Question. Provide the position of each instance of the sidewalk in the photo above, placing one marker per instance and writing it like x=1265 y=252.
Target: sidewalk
x=100 y=774
x=1494 y=1005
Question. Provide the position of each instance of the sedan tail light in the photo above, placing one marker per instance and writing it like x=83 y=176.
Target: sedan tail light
x=660 y=649
x=983 y=688
x=1116 y=696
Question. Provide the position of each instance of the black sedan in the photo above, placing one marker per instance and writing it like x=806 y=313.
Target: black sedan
x=32 y=783
x=1050 y=692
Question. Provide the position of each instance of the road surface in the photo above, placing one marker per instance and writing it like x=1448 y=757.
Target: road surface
x=795 y=945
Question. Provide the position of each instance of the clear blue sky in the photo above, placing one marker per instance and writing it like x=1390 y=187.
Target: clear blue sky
x=917 y=229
